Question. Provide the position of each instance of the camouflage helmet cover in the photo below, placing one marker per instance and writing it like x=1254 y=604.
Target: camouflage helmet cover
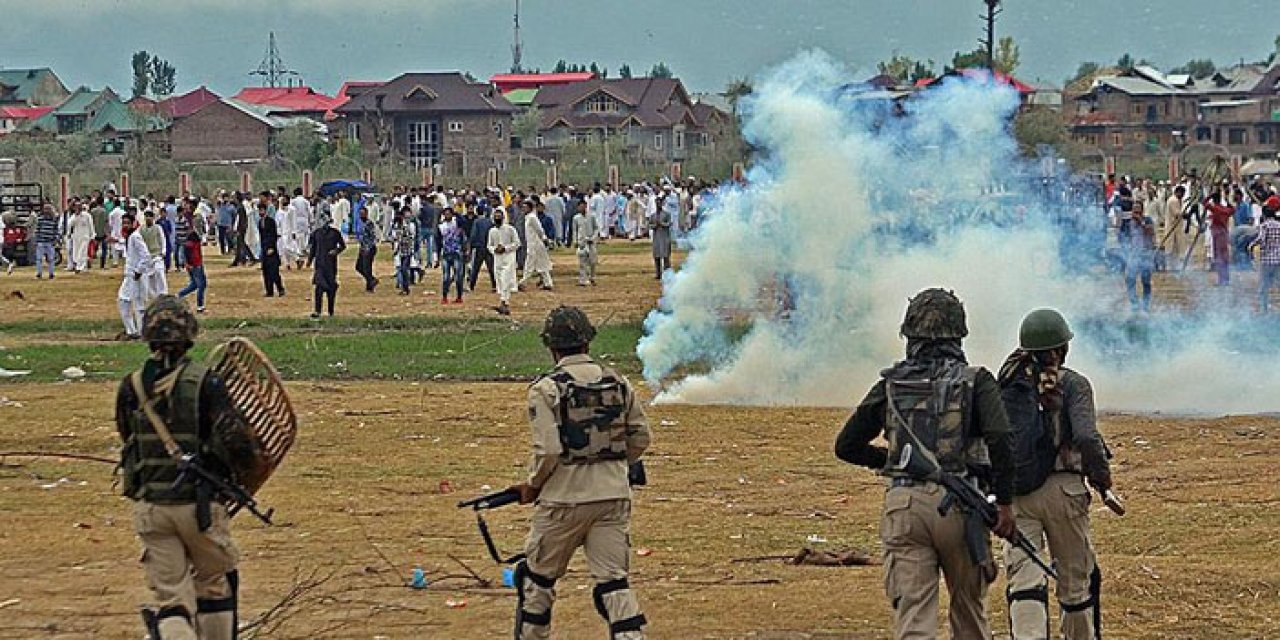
x=567 y=328
x=168 y=320
x=935 y=314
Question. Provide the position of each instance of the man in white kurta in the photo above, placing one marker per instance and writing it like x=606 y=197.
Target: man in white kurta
x=115 y=234
x=133 y=288
x=503 y=244
x=342 y=214
x=595 y=209
x=537 y=259
x=80 y=233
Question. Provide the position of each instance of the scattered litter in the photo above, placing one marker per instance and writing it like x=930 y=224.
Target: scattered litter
x=1141 y=442
x=668 y=423
x=736 y=536
x=82 y=525
x=815 y=539
x=446 y=486
x=419 y=579
x=5 y=402
x=471 y=445
x=10 y=602
x=10 y=373
x=1150 y=572
x=73 y=373
x=455 y=604
x=644 y=552
x=742 y=480
x=54 y=485
x=485 y=487
x=69 y=434
x=415 y=436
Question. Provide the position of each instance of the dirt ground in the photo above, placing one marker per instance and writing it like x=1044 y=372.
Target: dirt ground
x=359 y=505
x=627 y=289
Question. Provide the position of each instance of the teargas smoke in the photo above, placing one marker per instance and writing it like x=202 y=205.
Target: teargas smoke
x=795 y=285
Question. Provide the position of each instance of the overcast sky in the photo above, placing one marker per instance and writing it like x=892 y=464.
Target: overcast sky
x=706 y=42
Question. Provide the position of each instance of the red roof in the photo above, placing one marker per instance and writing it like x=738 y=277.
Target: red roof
x=23 y=113
x=510 y=81
x=982 y=75
x=188 y=103
x=288 y=99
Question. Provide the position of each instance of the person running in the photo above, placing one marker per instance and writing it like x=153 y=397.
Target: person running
x=193 y=258
x=368 y=251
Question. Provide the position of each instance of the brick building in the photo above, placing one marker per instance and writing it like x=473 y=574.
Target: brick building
x=228 y=130
x=432 y=120
x=1144 y=112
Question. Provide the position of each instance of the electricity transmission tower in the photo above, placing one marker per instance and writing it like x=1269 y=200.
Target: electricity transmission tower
x=272 y=69
x=517 y=47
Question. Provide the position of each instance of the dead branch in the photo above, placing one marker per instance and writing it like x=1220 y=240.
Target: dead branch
x=54 y=454
x=476 y=576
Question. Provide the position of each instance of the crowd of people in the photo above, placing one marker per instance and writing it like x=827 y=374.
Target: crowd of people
x=510 y=234
x=1166 y=225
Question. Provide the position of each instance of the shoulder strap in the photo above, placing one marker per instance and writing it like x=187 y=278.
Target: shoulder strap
x=147 y=404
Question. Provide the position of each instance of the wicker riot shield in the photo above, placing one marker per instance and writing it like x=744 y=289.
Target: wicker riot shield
x=268 y=425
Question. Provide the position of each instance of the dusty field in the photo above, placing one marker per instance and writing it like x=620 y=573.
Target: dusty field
x=359 y=503
x=626 y=288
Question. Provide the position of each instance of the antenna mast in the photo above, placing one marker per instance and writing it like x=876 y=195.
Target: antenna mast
x=272 y=69
x=517 y=48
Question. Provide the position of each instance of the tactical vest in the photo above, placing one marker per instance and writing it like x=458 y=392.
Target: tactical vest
x=937 y=411
x=593 y=425
x=149 y=471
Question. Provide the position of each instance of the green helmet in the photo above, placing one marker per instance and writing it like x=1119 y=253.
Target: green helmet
x=567 y=328
x=1044 y=329
x=934 y=314
x=168 y=320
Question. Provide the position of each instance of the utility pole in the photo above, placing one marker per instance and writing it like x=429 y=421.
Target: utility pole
x=517 y=48
x=993 y=10
x=272 y=68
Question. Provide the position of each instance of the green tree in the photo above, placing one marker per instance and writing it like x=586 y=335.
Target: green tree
x=525 y=125
x=302 y=144
x=561 y=67
x=1126 y=62
x=164 y=77
x=737 y=90
x=905 y=69
x=660 y=70
x=1197 y=68
x=1008 y=56
x=595 y=69
x=976 y=59
x=1039 y=129
x=624 y=71
x=141 y=64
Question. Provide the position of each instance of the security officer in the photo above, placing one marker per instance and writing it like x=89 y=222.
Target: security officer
x=1058 y=510
x=169 y=408
x=933 y=398
x=588 y=426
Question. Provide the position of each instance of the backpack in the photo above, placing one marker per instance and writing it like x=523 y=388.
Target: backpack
x=1035 y=451
x=593 y=426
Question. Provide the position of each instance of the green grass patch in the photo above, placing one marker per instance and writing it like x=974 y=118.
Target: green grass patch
x=389 y=349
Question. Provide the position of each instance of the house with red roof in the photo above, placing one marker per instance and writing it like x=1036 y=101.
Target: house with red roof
x=290 y=101
x=655 y=116
x=181 y=106
x=11 y=118
x=507 y=82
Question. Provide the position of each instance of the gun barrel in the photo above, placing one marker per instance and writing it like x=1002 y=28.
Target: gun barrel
x=492 y=500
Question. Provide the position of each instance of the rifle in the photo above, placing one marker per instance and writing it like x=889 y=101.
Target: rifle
x=211 y=485
x=492 y=501
x=923 y=467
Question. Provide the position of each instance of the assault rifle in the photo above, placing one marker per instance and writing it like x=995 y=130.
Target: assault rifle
x=492 y=501
x=211 y=485
x=922 y=466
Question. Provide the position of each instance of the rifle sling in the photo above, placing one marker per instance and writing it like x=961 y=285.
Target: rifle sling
x=147 y=403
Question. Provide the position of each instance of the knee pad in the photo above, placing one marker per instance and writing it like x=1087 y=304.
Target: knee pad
x=153 y=618
x=229 y=604
x=1094 y=602
x=1039 y=595
x=522 y=577
x=633 y=623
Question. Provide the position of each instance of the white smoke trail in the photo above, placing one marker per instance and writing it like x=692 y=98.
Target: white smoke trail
x=851 y=210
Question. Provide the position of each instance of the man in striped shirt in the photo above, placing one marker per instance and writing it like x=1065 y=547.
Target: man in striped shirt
x=1268 y=244
x=46 y=239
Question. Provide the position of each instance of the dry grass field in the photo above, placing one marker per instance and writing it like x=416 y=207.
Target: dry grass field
x=369 y=494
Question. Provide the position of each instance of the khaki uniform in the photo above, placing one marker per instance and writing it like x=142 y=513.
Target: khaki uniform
x=191 y=572
x=1058 y=513
x=584 y=505
x=917 y=540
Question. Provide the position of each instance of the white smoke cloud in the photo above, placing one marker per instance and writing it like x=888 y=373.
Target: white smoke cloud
x=853 y=210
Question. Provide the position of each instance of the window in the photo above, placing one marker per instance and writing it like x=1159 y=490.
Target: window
x=677 y=139
x=1265 y=136
x=1139 y=136
x=601 y=103
x=423 y=143
x=657 y=141
x=112 y=146
x=1238 y=136
x=539 y=142
x=498 y=129
x=1117 y=139
x=1203 y=133
x=353 y=131
x=455 y=126
x=580 y=137
x=704 y=139
x=1137 y=109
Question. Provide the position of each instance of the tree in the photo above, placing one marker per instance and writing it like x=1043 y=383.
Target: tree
x=976 y=59
x=302 y=144
x=141 y=73
x=905 y=69
x=737 y=90
x=660 y=70
x=525 y=125
x=595 y=68
x=561 y=67
x=1040 y=129
x=1085 y=70
x=164 y=77
x=1126 y=62
x=1008 y=56
x=624 y=71
x=1197 y=68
